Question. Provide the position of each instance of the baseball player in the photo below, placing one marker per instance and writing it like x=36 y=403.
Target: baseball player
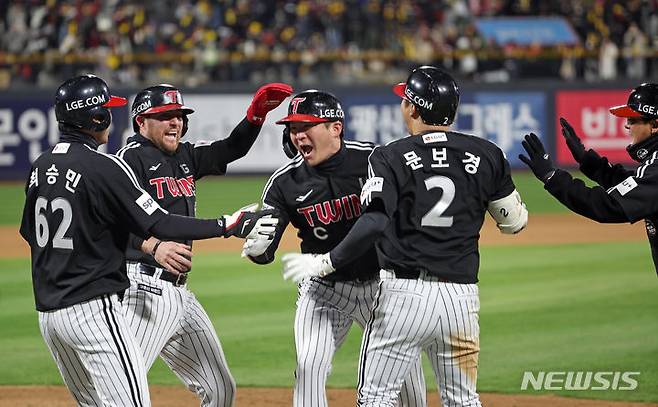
x=426 y=198
x=165 y=316
x=318 y=192
x=79 y=209
x=623 y=195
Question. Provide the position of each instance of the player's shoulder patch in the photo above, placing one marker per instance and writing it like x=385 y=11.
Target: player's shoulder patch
x=434 y=138
x=625 y=186
x=61 y=148
x=147 y=203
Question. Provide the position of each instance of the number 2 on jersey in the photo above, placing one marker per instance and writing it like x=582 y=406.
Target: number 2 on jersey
x=433 y=216
x=42 y=230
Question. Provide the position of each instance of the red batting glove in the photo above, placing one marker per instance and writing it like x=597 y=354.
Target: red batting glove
x=267 y=98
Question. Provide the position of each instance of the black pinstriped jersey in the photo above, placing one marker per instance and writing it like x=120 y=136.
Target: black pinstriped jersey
x=322 y=202
x=170 y=178
x=435 y=189
x=79 y=209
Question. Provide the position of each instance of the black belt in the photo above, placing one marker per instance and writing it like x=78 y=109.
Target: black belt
x=175 y=279
x=415 y=275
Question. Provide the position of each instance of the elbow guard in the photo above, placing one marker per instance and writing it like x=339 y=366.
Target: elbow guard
x=509 y=212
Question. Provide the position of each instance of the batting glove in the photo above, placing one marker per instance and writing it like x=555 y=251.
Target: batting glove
x=268 y=97
x=573 y=141
x=539 y=160
x=242 y=223
x=297 y=266
x=261 y=237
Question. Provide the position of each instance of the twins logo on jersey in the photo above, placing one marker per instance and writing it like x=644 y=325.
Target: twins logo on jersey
x=176 y=187
x=333 y=210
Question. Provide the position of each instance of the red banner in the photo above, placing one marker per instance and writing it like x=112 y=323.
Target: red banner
x=588 y=113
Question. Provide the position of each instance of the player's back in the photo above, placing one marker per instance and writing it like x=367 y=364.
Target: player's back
x=74 y=230
x=444 y=183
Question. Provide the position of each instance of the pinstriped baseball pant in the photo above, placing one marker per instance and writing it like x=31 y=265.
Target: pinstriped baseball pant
x=169 y=322
x=96 y=353
x=325 y=313
x=413 y=315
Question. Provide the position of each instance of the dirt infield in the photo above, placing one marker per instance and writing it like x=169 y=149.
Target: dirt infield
x=177 y=396
x=542 y=229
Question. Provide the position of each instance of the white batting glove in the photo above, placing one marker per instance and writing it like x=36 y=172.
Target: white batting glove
x=243 y=222
x=297 y=266
x=261 y=237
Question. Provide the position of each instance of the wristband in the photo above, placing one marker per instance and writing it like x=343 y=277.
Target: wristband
x=155 y=248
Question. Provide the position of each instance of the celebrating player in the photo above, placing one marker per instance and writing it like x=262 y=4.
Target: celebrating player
x=166 y=317
x=79 y=209
x=426 y=197
x=623 y=195
x=318 y=192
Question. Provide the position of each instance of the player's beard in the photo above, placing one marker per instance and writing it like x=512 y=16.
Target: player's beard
x=166 y=140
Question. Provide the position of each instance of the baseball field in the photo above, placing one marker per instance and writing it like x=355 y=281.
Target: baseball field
x=568 y=298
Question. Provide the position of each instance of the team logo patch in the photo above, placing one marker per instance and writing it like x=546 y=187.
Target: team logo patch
x=294 y=104
x=641 y=153
x=626 y=186
x=172 y=97
x=147 y=203
x=651 y=229
x=434 y=138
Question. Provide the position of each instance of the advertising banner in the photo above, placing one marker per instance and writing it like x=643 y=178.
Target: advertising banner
x=527 y=30
x=28 y=127
x=504 y=118
x=588 y=113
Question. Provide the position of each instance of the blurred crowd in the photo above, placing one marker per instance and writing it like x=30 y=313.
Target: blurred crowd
x=196 y=42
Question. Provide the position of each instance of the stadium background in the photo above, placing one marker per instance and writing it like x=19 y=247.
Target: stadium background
x=569 y=296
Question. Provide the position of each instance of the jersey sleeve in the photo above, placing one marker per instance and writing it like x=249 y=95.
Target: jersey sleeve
x=122 y=192
x=599 y=170
x=132 y=158
x=208 y=158
x=505 y=184
x=212 y=158
x=272 y=198
x=380 y=191
x=638 y=193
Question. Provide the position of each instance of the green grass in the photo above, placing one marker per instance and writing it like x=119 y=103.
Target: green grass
x=554 y=308
x=544 y=308
x=220 y=195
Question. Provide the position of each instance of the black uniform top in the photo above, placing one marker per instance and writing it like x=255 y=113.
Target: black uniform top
x=631 y=195
x=322 y=202
x=170 y=178
x=80 y=206
x=435 y=188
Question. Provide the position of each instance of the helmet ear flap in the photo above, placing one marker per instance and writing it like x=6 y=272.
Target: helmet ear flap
x=288 y=146
x=100 y=118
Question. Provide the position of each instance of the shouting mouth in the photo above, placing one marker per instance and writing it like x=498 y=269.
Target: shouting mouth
x=306 y=149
